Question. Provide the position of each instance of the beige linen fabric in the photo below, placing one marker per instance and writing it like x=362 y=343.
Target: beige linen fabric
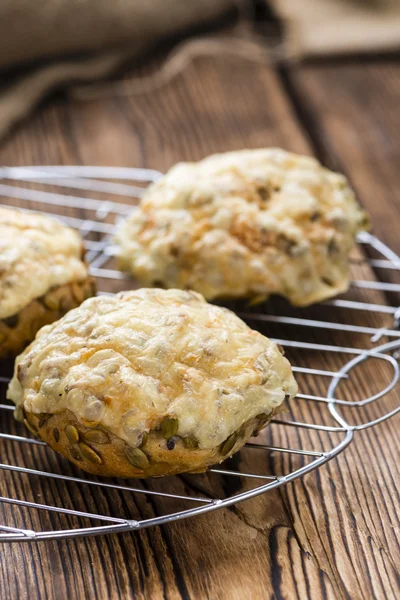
x=318 y=28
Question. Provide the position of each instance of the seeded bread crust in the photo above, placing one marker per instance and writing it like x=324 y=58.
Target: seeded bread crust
x=43 y=274
x=99 y=452
x=149 y=383
x=18 y=330
x=245 y=224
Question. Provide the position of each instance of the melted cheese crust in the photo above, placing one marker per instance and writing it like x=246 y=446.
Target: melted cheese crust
x=246 y=223
x=36 y=254
x=128 y=360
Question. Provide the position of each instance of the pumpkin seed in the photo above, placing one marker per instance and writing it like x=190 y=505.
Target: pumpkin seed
x=34 y=327
x=169 y=427
x=91 y=289
x=257 y=299
x=90 y=454
x=75 y=453
x=365 y=222
x=190 y=442
x=327 y=281
x=51 y=301
x=30 y=427
x=72 y=433
x=137 y=457
x=145 y=437
x=262 y=420
x=96 y=436
x=228 y=444
x=78 y=292
x=66 y=302
x=56 y=434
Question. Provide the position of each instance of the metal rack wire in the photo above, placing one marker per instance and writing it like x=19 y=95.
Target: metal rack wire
x=323 y=418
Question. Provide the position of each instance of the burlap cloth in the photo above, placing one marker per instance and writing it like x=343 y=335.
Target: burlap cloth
x=61 y=41
x=47 y=44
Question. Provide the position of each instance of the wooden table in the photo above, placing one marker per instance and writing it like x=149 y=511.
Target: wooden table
x=335 y=533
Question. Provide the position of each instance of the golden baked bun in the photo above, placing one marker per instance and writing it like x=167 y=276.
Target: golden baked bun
x=42 y=276
x=245 y=224
x=149 y=383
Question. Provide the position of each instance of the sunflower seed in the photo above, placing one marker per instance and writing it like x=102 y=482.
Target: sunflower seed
x=56 y=434
x=137 y=457
x=169 y=427
x=228 y=444
x=90 y=454
x=96 y=436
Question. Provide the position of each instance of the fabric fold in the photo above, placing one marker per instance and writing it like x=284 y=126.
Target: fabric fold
x=57 y=42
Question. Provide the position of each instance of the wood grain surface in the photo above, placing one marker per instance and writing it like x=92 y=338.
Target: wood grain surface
x=333 y=534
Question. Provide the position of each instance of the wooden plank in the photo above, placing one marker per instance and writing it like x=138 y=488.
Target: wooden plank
x=350 y=109
x=333 y=534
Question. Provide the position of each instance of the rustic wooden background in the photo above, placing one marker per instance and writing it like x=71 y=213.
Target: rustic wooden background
x=333 y=534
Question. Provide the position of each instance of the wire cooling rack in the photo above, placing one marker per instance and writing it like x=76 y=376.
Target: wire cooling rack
x=42 y=496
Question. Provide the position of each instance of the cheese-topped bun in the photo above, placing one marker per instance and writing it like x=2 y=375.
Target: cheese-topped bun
x=245 y=224
x=42 y=275
x=148 y=383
